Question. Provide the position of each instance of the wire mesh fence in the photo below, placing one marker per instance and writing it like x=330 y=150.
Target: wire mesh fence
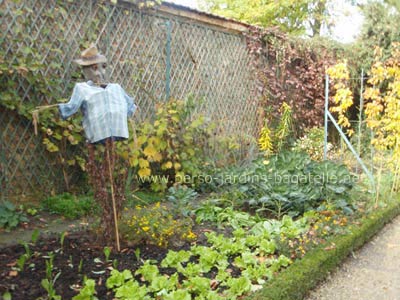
x=154 y=56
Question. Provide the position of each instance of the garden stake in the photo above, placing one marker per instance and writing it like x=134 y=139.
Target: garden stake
x=113 y=196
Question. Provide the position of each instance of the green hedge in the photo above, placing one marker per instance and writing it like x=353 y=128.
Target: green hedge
x=294 y=282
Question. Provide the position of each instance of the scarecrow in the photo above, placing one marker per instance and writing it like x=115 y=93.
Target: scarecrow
x=106 y=108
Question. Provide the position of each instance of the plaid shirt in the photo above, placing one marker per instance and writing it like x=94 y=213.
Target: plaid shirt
x=105 y=110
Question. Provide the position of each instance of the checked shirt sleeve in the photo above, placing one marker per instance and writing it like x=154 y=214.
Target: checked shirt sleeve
x=131 y=104
x=68 y=109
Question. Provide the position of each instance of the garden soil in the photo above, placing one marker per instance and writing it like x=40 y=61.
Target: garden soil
x=77 y=255
x=372 y=273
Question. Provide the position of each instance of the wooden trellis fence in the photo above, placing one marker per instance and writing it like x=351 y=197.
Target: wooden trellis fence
x=154 y=54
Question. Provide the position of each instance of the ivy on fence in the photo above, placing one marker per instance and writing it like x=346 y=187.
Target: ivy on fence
x=290 y=70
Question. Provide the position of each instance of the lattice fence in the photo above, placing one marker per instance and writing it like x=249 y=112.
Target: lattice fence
x=153 y=56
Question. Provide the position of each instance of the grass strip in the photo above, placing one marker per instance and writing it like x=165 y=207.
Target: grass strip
x=294 y=282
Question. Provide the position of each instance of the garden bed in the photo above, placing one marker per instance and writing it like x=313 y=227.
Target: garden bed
x=265 y=235
x=78 y=255
x=303 y=275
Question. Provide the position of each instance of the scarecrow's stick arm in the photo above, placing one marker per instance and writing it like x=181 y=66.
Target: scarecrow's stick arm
x=35 y=114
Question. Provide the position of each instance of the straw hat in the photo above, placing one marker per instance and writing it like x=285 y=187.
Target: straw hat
x=91 y=56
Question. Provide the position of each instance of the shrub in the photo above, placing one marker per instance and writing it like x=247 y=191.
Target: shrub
x=70 y=206
x=156 y=225
x=169 y=147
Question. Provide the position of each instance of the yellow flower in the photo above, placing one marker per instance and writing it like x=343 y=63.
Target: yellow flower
x=191 y=235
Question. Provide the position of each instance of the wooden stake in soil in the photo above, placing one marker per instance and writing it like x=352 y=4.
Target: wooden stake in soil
x=113 y=197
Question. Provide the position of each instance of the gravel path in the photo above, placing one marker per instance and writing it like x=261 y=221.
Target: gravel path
x=372 y=273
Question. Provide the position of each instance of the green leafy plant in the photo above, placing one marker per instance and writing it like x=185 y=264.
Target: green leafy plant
x=178 y=295
x=107 y=252
x=208 y=211
x=118 y=278
x=174 y=259
x=291 y=183
x=131 y=290
x=7 y=296
x=208 y=258
x=27 y=249
x=125 y=287
x=80 y=266
x=10 y=216
x=49 y=282
x=88 y=291
x=181 y=197
x=137 y=254
x=62 y=238
x=115 y=263
x=32 y=211
x=21 y=261
x=197 y=285
x=223 y=216
x=35 y=236
x=237 y=287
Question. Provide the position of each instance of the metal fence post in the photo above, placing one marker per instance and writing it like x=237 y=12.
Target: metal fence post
x=168 y=61
x=360 y=119
x=326 y=116
x=3 y=174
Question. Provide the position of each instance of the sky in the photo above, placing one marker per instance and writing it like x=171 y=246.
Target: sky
x=348 y=23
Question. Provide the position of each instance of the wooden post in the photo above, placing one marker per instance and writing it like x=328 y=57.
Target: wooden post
x=113 y=197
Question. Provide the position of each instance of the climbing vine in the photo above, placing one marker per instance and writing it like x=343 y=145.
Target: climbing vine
x=292 y=71
x=22 y=77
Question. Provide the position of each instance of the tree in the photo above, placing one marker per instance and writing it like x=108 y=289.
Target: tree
x=394 y=3
x=382 y=110
x=293 y=16
x=381 y=29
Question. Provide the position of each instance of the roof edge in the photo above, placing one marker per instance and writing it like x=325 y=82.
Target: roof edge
x=203 y=17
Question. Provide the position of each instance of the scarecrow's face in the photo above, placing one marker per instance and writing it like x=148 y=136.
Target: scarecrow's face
x=96 y=73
